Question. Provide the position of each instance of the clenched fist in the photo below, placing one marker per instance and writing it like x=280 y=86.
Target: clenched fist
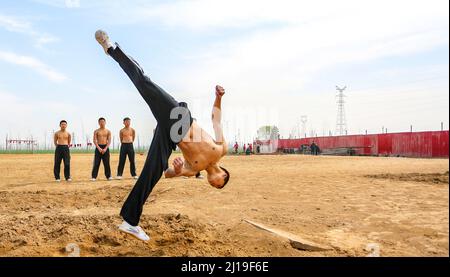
x=178 y=165
x=220 y=91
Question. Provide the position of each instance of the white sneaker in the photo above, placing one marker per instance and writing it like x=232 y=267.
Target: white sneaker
x=119 y=177
x=200 y=177
x=93 y=179
x=58 y=180
x=69 y=180
x=136 y=177
x=110 y=178
x=135 y=231
x=103 y=39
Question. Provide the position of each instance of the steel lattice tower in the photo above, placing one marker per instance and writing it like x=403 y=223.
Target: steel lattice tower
x=303 y=120
x=341 y=122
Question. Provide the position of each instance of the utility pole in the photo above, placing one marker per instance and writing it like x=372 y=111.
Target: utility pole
x=303 y=120
x=341 y=123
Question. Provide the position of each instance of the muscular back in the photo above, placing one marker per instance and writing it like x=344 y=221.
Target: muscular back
x=200 y=150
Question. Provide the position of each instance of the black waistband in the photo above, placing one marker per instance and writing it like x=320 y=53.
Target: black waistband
x=62 y=146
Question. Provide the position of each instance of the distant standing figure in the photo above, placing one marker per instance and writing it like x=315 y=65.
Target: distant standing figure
x=62 y=140
x=127 y=136
x=314 y=148
x=102 y=140
x=236 y=147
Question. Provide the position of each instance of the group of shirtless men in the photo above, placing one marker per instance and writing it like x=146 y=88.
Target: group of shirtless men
x=102 y=141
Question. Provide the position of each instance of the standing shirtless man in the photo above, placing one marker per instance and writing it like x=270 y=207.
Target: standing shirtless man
x=127 y=136
x=62 y=140
x=175 y=127
x=102 y=140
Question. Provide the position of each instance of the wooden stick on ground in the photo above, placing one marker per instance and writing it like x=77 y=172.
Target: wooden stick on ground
x=294 y=240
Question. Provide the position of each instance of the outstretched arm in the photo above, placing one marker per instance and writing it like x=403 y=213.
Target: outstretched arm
x=217 y=115
x=179 y=169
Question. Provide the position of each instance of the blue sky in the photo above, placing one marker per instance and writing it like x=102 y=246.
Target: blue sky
x=277 y=60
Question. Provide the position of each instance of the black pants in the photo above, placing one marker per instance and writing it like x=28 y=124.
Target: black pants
x=126 y=149
x=161 y=104
x=98 y=158
x=62 y=152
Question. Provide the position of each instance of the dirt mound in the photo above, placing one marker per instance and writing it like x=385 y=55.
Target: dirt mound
x=435 y=178
x=171 y=235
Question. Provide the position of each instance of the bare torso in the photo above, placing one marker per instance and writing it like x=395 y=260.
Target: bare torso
x=199 y=149
x=127 y=135
x=102 y=136
x=62 y=138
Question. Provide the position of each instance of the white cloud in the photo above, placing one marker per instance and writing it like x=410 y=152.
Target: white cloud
x=22 y=26
x=273 y=50
x=269 y=65
x=286 y=58
x=60 y=3
x=216 y=14
x=34 y=64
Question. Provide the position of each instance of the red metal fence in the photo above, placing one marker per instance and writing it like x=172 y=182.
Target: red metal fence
x=412 y=144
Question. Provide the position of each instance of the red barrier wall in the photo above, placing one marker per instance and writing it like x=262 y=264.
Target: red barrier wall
x=412 y=144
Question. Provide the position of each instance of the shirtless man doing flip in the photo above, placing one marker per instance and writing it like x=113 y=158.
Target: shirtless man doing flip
x=175 y=127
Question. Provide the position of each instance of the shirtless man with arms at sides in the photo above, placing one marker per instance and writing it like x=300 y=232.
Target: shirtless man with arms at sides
x=102 y=140
x=127 y=136
x=62 y=140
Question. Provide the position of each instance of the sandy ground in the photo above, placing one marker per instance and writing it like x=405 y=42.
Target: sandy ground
x=346 y=203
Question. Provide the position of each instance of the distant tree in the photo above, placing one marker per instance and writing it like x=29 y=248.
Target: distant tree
x=268 y=132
